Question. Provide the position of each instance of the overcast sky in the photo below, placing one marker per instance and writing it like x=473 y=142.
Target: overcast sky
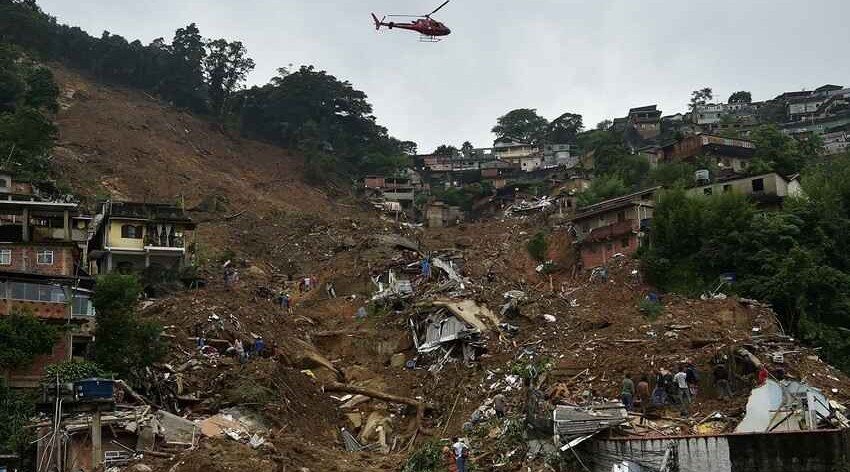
x=597 y=58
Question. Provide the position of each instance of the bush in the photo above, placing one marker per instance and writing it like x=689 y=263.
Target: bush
x=538 y=247
x=652 y=310
x=16 y=409
x=23 y=337
x=72 y=370
x=427 y=458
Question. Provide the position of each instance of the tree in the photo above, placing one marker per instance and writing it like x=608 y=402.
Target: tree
x=466 y=148
x=780 y=152
x=124 y=344
x=408 y=147
x=42 y=91
x=741 y=97
x=24 y=337
x=700 y=97
x=565 y=128
x=445 y=150
x=184 y=83
x=523 y=124
x=226 y=67
x=602 y=188
x=604 y=125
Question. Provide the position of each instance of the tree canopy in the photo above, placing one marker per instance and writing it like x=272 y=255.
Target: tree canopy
x=700 y=97
x=565 y=128
x=124 y=344
x=741 y=97
x=523 y=124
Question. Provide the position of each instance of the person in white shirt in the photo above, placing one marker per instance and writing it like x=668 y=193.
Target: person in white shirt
x=681 y=379
x=461 y=454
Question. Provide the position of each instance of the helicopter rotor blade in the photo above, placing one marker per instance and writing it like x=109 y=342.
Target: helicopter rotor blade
x=438 y=8
x=405 y=16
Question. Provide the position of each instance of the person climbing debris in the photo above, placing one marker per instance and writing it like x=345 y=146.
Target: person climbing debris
x=763 y=374
x=659 y=393
x=449 y=459
x=259 y=346
x=721 y=382
x=240 y=351
x=461 y=452
x=643 y=394
x=329 y=287
x=500 y=405
x=693 y=380
x=627 y=394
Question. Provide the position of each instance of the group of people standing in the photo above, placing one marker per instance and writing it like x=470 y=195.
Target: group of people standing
x=679 y=388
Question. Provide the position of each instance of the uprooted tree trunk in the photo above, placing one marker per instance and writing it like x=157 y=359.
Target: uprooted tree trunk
x=368 y=392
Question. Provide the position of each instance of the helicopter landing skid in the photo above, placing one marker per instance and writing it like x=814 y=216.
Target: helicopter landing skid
x=429 y=39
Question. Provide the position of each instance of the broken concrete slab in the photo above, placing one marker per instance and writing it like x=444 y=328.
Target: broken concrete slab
x=174 y=429
x=471 y=313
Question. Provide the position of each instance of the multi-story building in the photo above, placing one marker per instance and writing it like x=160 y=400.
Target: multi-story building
x=42 y=254
x=646 y=120
x=615 y=226
x=523 y=155
x=131 y=237
x=727 y=153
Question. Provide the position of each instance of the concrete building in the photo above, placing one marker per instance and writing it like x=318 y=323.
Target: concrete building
x=769 y=190
x=527 y=157
x=560 y=155
x=441 y=215
x=836 y=142
x=132 y=237
x=615 y=226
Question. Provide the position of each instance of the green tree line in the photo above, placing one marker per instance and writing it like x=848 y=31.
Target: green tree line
x=797 y=258
x=306 y=109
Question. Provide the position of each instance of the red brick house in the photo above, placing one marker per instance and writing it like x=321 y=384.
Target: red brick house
x=42 y=249
x=615 y=226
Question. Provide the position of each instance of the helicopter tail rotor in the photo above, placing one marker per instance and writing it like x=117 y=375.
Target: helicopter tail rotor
x=377 y=22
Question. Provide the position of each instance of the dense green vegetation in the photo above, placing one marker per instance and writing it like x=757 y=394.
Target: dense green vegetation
x=125 y=344
x=24 y=337
x=797 y=259
x=306 y=109
x=28 y=94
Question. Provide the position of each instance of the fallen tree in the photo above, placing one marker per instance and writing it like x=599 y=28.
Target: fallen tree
x=421 y=407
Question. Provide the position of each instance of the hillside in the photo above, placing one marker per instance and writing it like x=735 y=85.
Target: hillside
x=254 y=209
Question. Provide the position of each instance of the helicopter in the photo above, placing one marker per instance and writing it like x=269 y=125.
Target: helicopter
x=429 y=29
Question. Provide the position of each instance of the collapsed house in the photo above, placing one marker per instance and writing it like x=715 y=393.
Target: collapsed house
x=450 y=328
x=788 y=426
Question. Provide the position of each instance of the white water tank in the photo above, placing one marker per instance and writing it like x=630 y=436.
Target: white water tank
x=702 y=176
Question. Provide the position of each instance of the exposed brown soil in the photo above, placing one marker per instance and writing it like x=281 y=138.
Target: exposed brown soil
x=253 y=208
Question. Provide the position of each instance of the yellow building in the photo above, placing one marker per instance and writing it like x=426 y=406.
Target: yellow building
x=132 y=237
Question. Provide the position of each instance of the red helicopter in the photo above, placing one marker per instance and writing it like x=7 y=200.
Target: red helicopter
x=430 y=29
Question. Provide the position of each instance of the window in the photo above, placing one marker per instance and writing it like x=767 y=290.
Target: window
x=625 y=243
x=36 y=292
x=609 y=246
x=5 y=257
x=707 y=191
x=45 y=257
x=82 y=306
x=758 y=185
x=4 y=183
x=727 y=188
x=131 y=232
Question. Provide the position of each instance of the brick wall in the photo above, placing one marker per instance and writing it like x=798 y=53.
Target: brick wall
x=595 y=254
x=41 y=310
x=25 y=259
x=30 y=376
